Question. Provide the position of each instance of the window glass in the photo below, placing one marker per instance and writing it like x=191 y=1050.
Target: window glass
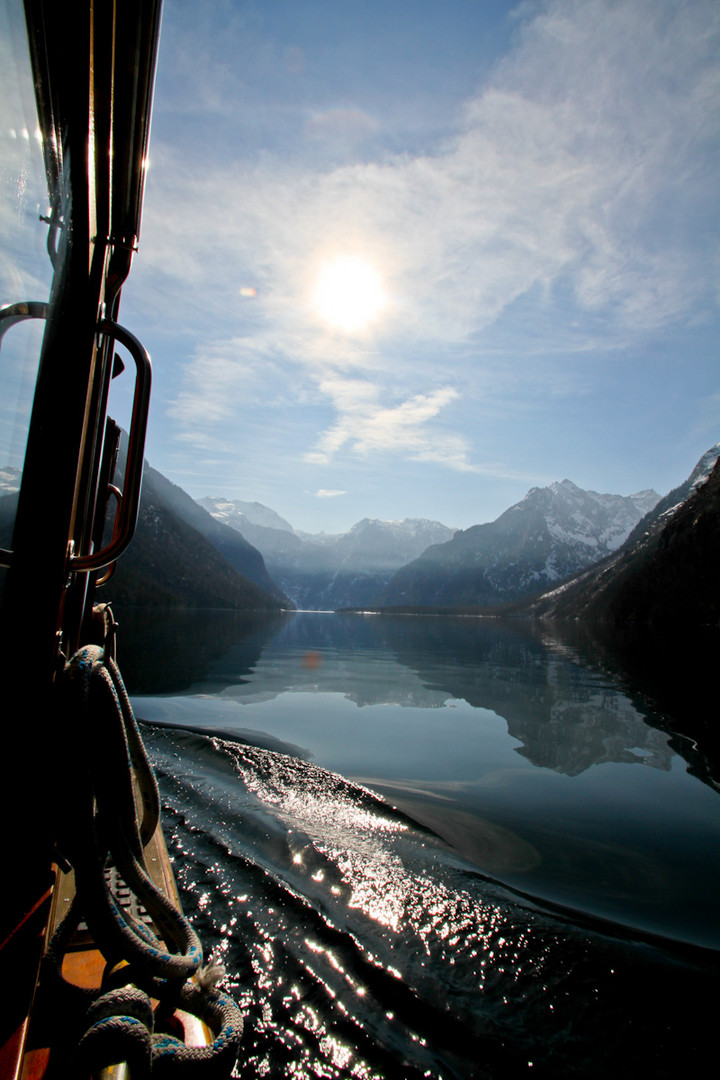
x=25 y=269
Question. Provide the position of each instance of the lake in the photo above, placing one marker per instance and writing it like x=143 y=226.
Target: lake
x=493 y=823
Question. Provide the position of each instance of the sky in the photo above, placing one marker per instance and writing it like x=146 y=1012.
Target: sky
x=403 y=258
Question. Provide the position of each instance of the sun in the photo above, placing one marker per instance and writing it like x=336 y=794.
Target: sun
x=349 y=294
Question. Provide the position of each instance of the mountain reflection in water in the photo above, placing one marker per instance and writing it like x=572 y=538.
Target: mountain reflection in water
x=433 y=818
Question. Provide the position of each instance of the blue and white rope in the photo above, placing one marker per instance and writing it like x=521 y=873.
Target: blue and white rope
x=107 y=747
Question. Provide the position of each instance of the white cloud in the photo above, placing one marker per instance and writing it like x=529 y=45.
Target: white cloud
x=580 y=177
x=366 y=426
x=326 y=493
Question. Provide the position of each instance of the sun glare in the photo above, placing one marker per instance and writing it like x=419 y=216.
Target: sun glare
x=349 y=294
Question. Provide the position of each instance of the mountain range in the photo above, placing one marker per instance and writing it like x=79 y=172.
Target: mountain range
x=550 y=534
x=561 y=552
x=181 y=556
x=320 y=571
x=667 y=572
x=549 y=537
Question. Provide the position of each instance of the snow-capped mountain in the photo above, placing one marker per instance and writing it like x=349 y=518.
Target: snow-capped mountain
x=321 y=571
x=675 y=498
x=182 y=556
x=585 y=519
x=550 y=534
x=236 y=513
x=666 y=572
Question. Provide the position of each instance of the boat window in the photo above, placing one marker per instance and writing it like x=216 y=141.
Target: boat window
x=25 y=268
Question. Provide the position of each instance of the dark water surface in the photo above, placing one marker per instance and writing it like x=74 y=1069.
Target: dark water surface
x=436 y=847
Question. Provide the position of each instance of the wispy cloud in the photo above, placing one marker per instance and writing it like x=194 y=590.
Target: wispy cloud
x=576 y=183
x=325 y=493
x=365 y=426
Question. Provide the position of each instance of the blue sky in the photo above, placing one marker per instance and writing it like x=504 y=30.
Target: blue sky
x=527 y=197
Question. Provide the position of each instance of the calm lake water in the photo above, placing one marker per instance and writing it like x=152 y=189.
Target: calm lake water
x=483 y=826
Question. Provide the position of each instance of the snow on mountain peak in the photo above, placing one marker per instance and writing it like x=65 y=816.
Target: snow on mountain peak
x=234 y=511
x=705 y=466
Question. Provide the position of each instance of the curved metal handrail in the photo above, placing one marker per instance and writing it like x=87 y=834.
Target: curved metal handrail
x=110 y=570
x=126 y=518
x=25 y=309
x=129 y=501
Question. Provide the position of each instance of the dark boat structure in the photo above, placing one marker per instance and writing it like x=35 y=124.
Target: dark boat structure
x=98 y=963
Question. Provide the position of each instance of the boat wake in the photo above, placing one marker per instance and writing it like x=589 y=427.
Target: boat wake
x=361 y=945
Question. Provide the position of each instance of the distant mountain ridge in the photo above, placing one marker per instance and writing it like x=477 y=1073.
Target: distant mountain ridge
x=572 y=553
x=675 y=498
x=181 y=556
x=550 y=534
x=236 y=514
x=668 y=570
x=330 y=571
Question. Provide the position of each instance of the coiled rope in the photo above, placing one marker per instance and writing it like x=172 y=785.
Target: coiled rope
x=102 y=826
x=120 y=1027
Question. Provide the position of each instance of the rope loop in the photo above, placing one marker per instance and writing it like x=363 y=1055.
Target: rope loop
x=104 y=829
x=109 y=733
x=172 y=1058
x=119 y=1028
